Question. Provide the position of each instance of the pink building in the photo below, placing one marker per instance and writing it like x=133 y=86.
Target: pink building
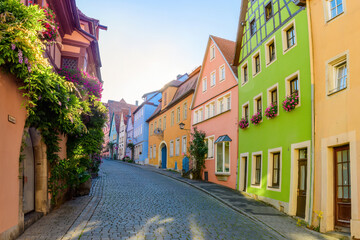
x=215 y=111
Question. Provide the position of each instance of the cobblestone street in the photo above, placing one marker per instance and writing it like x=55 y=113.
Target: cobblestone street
x=127 y=202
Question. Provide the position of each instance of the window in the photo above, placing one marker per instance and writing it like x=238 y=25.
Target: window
x=204 y=85
x=151 y=129
x=154 y=148
x=257 y=64
x=290 y=37
x=165 y=98
x=212 y=109
x=212 y=52
x=270 y=51
x=275 y=170
x=171 y=148
x=185 y=111
x=207 y=111
x=177 y=147
x=210 y=144
x=70 y=63
x=178 y=115
x=245 y=113
x=155 y=125
x=245 y=74
x=228 y=102
x=213 y=79
x=221 y=105
x=257 y=169
x=222 y=73
x=184 y=145
x=273 y=96
x=172 y=119
x=335 y=8
x=256 y=67
x=223 y=157
x=164 y=122
x=268 y=11
x=258 y=103
x=200 y=115
x=337 y=75
x=252 y=27
x=150 y=152
x=294 y=85
x=160 y=125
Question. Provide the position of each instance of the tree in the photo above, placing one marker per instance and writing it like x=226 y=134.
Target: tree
x=131 y=146
x=198 y=150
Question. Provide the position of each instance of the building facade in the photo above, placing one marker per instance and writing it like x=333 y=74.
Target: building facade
x=168 y=144
x=141 y=127
x=273 y=59
x=129 y=135
x=336 y=72
x=215 y=111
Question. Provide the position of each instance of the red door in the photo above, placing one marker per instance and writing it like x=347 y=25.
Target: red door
x=342 y=186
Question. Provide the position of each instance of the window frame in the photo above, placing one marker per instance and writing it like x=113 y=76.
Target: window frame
x=253 y=24
x=171 y=150
x=244 y=73
x=287 y=85
x=204 y=86
x=212 y=139
x=184 y=149
x=223 y=158
x=270 y=90
x=212 y=52
x=178 y=114
x=177 y=147
x=284 y=30
x=243 y=113
x=212 y=77
x=254 y=183
x=185 y=111
x=270 y=61
x=222 y=70
x=164 y=122
x=254 y=56
x=332 y=67
x=267 y=18
x=172 y=120
x=270 y=176
x=328 y=10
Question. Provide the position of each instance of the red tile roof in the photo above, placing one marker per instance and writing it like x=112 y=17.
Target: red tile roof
x=227 y=48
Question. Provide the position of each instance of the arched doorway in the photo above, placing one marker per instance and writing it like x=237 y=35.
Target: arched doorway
x=28 y=175
x=163 y=157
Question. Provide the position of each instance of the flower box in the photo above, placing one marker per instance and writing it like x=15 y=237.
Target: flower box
x=256 y=118
x=290 y=102
x=244 y=123
x=271 y=111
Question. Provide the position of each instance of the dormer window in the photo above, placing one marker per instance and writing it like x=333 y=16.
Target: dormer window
x=212 y=52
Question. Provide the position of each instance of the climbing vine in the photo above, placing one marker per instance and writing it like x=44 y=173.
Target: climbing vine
x=53 y=104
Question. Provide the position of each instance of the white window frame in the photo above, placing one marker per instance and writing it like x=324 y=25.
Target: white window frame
x=327 y=4
x=267 y=51
x=331 y=73
x=177 y=146
x=284 y=36
x=150 y=155
x=154 y=149
x=222 y=70
x=204 y=84
x=257 y=53
x=213 y=77
x=223 y=159
x=260 y=95
x=212 y=139
x=178 y=114
x=253 y=168
x=171 y=148
x=243 y=111
x=185 y=110
x=245 y=64
x=212 y=52
x=287 y=85
x=270 y=169
x=172 y=118
x=164 y=122
x=269 y=90
x=184 y=147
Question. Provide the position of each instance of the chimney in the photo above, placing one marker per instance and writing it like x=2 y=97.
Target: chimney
x=137 y=103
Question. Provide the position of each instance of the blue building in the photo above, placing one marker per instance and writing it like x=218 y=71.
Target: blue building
x=141 y=127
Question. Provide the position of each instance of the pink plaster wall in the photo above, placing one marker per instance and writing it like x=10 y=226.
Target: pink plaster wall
x=10 y=142
x=225 y=123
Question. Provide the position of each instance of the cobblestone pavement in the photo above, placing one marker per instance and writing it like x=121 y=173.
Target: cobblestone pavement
x=131 y=203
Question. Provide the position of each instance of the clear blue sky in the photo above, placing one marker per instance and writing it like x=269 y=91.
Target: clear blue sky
x=148 y=43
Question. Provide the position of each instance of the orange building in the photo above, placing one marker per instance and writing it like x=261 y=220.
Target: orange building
x=24 y=194
x=335 y=56
x=168 y=144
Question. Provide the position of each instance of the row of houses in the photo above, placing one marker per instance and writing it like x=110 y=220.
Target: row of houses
x=25 y=173
x=278 y=107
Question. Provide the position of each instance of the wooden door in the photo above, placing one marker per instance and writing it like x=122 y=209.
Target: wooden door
x=302 y=182
x=29 y=177
x=245 y=174
x=342 y=186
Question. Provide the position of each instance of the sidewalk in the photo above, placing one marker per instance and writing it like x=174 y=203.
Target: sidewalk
x=258 y=211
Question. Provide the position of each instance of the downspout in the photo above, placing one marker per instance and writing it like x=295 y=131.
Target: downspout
x=312 y=166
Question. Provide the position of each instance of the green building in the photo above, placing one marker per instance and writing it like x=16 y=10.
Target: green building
x=273 y=59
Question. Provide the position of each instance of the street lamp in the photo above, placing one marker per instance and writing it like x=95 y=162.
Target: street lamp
x=182 y=126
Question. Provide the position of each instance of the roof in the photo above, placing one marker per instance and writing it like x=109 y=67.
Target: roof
x=143 y=96
x=227 y=47
x=173 y=83
x=223 y=138
x=183 y=90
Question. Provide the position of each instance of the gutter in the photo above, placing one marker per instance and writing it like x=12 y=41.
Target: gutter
x=312 y=167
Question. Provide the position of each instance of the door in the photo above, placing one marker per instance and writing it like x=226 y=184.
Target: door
x=163 y=157
x=245 y=174
x=29 y=177
x=342 y=186
x=302 y=182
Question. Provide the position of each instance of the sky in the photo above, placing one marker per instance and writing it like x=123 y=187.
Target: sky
x=148 y=43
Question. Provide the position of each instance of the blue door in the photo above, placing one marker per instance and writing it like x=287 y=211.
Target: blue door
x=163 y=157
x=185 y=163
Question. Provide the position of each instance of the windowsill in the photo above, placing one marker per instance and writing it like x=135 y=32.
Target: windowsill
x=330 y=19
x=255 y=185
x=269 y=63
x=339 y=90
x=222 y=174
x=273 y=188
x=210 y=158
x=254 y=75
x=244 y=83
x=288 y=49
x=212 y=117
x=222 y=80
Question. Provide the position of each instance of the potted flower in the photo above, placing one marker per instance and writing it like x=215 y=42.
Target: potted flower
x=290 y=102
x=244 y=123
x=256 y=118
x=271 y=111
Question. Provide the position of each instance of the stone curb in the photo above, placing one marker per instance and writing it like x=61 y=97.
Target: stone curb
x=255 y=219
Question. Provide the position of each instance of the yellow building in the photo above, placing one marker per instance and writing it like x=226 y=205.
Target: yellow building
x=168 y=144
x=335 y=43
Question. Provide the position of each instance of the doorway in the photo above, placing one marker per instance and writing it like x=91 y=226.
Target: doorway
x=342 y=186
x=28 y=176
x=243 y=173
x=302 y=183
x=163 y=157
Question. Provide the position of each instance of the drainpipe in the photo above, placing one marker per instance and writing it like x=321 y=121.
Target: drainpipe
x=312 y=166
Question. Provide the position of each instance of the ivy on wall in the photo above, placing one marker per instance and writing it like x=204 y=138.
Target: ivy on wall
x=53 y=104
